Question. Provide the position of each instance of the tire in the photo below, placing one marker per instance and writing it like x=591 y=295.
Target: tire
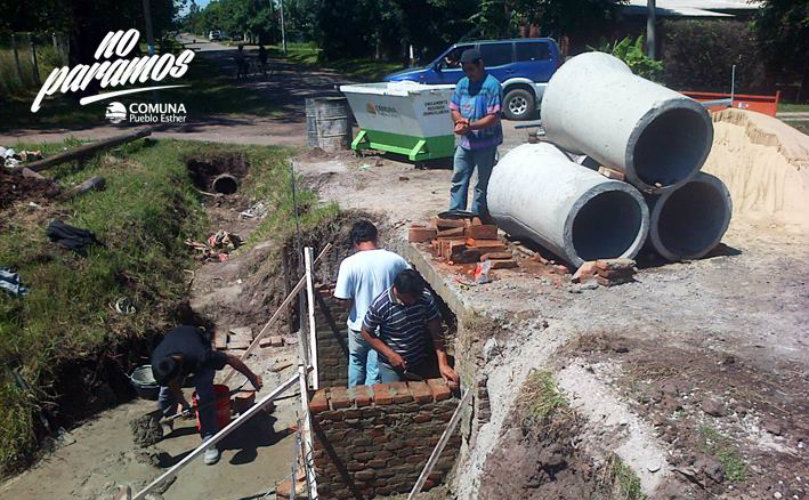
x=519 y=104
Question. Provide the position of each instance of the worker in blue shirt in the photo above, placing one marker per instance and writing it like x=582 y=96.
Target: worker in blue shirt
x=475 y=107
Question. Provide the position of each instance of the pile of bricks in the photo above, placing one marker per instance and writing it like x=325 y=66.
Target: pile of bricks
x=375 y=440
x=463 y=241
x=610 y=272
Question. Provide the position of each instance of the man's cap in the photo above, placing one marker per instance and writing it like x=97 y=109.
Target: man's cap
x=470 y=55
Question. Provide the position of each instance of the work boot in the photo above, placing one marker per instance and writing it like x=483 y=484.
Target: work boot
x=211 y=455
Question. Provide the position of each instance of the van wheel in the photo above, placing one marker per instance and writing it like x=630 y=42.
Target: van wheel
x=519 y=104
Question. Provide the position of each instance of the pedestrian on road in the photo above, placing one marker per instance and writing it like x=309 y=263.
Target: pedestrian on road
x=262 y=59
x=241 y=62
x=360 y=279
x=476 y=106
x=185 y=350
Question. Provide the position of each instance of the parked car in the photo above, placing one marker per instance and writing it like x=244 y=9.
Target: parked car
x=523 y=66
x=215 y=35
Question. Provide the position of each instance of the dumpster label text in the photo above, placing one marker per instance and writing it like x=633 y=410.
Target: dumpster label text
x=379 y=109
x=435 y=108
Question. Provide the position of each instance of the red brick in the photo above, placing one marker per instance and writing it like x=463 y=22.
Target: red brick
x=482 y=232
x=455 y=231
x=420 y=391
x=496 y=256
x=439 y=388
x=585 y=272
x=449 y=223
x=319 y=402
x=423 y=417
x=401 y=394
x=504 y=264
x=613 y=264
x=421 y=234
x=428 y=484
x=377 y=464
x=361 y=395
x=487 y=245
x=339 y=397
x=382 y=394
x=276 y=341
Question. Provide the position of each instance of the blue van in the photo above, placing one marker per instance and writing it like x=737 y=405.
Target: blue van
x=523 y=66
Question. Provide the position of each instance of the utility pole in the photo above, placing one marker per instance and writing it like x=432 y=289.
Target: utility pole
x=650 y=29
x=283 y=35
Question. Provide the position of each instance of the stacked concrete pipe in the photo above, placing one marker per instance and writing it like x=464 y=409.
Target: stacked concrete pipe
x=686 y=223
x=536 y=192
x=594 y=105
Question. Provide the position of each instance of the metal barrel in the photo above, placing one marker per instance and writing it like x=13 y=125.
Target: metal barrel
x=327 y=123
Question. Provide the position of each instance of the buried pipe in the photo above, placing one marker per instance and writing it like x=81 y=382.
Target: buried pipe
x=594 y=105
x=224 y=184
x=689 y=222
x=536 y=192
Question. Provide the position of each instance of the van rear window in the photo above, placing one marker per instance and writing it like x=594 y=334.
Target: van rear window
x=533 y=51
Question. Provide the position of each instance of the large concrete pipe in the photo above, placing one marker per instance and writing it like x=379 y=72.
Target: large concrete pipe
x=594 y=105
x=536 y=192
x=688 y=222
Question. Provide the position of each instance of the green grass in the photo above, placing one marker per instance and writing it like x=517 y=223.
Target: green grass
x=787 y=107
x=146 y=212
x=541 y=398
x=364 y=69
x=626 y=484
x=723 y=449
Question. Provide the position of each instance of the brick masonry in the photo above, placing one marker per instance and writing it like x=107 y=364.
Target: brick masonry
x=375 y=440
x=332 y=346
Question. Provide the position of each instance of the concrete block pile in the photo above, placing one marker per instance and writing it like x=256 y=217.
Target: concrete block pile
x=463 y=241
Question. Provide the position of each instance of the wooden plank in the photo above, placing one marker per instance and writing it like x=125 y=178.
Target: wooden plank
x=88 y=149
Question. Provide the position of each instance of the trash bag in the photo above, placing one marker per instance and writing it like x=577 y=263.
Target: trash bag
x=10 y=282
x=72 y=238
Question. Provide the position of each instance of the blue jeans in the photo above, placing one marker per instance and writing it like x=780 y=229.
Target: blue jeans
x=203 y=383
x=463 y=165
x=362 y=362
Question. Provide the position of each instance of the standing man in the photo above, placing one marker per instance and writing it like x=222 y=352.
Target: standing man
x=183 y=351
x=361 y=278
x=404 y=314
x=475 y=107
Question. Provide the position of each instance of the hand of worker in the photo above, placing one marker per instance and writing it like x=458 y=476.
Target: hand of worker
x=397 y=362
x=185 y=408
x=257 y=382
x=452 y=379
x=462 y=126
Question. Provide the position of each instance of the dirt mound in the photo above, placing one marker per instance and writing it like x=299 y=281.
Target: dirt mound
x=733 y=428
x=765 y=165
x=14 y=186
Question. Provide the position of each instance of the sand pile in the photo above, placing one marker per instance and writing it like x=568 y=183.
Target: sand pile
x=765 y=165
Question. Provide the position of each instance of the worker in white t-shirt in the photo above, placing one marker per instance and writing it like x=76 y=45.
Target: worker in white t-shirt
x=362 y=277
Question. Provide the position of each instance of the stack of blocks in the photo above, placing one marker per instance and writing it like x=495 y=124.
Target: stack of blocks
x=611 y=272
x=375 y=440
x=463 y=241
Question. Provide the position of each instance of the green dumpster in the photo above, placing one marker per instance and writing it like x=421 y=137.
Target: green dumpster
x=406 y=118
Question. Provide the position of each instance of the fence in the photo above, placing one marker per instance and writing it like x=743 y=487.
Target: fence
x=26 y=59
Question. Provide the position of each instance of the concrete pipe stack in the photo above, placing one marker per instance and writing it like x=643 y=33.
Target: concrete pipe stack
x=658 y=138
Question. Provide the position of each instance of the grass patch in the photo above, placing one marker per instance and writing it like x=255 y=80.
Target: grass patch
x=626 y=484
x=146 y=212
x=802 y=126
x=540 y=399
x=723 y=449
x=364 y=69
x=788 y=107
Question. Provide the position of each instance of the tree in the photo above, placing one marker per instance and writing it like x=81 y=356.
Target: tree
x=782 y=27
x=633 y=55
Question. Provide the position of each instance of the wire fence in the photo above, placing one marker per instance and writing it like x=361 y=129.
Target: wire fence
x=26 y=59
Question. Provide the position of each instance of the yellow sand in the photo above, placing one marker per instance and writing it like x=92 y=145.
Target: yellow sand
x=765 y=165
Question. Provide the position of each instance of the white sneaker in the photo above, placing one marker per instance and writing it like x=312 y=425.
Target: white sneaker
x=211 y=455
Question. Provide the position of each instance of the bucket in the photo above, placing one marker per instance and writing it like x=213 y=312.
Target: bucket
x=327 y=123
x=222 y=394
x=243 y=400
x=144 y=383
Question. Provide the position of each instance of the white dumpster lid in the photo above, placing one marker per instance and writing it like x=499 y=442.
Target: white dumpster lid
x=402 y=89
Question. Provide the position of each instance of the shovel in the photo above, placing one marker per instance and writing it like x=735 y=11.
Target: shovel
x=148 y=429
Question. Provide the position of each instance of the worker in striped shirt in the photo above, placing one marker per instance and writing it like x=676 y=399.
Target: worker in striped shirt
x=409 y=332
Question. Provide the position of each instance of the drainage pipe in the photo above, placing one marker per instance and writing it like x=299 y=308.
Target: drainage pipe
x=536 y=192
x=224 y=184
x=689 y=222
x=594 y=105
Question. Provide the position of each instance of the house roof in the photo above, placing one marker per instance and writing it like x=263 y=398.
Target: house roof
x=690 y=8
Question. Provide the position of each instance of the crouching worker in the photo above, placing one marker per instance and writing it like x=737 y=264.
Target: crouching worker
x=409 y=332
x=184 y=351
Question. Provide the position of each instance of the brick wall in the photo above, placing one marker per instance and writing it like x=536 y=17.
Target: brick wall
x=375 y=440
x=332 y=341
